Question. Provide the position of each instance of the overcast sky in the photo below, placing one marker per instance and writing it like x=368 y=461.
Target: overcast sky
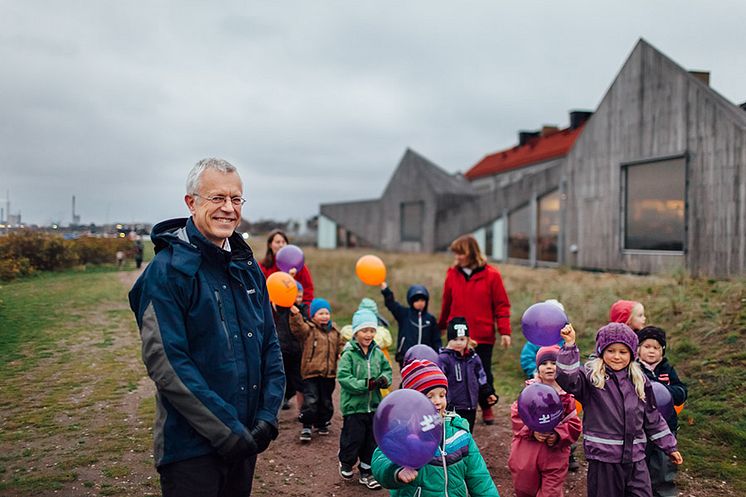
x=313 y=101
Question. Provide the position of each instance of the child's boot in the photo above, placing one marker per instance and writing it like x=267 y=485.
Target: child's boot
x=305 y=434
x=488 y=416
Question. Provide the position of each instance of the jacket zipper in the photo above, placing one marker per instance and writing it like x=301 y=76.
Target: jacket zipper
x=401 y=344
x=313 y=350
x=419 y=327
x=370 y=392
x=443 y=458
x=222 y=320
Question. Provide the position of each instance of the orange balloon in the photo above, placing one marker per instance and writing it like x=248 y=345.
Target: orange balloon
x=282 y=289
x=371 y=270
x=578 y=407
x=678 y=408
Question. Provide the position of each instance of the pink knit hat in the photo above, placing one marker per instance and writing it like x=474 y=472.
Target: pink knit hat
x=621 y=310
x=547 y=354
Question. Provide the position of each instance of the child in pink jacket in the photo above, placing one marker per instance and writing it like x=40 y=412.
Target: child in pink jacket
x=539 y=461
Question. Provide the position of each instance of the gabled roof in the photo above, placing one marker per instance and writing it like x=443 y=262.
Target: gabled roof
x=536 y=150
x=437 y=179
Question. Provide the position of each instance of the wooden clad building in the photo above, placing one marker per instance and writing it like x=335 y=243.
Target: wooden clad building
x=656 y=180
x=652 y=182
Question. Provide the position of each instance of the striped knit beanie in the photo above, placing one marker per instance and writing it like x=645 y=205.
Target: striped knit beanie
x=423 y=375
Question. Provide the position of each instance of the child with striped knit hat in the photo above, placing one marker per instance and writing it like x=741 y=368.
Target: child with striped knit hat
x=457 y=468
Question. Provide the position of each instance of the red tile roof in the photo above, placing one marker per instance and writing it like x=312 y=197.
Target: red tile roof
x=538 y=149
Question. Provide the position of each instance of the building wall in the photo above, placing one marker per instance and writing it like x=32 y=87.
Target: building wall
x=655 y=109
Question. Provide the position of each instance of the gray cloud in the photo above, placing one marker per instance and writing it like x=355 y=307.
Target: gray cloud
x=313 y=101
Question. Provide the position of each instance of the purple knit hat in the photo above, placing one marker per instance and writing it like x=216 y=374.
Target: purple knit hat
x=548 y=353
x=616 y=333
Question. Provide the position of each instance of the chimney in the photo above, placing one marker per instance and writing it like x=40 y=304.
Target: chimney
x=579 y=117
x=703 y=76
x=524 y=137
x=548 y=130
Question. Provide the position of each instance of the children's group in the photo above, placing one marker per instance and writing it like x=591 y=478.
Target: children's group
x=628 y=436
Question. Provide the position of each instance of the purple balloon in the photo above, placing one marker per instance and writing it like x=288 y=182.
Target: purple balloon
x=663 y=399
x=407 y=428
x=540 y=407
x=542 y=323
x=420 y=351
x=289 y=257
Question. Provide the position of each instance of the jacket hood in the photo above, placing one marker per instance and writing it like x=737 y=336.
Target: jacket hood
x=183 y=232
x=418 y=291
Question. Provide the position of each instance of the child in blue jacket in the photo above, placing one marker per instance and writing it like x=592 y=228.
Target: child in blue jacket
x=416 y=325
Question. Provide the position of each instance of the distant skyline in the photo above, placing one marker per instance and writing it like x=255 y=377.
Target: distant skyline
x=314 y=102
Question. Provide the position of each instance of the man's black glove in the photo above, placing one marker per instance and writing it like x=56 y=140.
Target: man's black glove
x=238 y=447
x=399 y=357
x=263 y=433
x=372 y=384
x=382 y=382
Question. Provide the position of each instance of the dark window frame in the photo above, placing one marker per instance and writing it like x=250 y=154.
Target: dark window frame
x=509 y=255
x=403 y=234
x=623 y=204
x=539 y=199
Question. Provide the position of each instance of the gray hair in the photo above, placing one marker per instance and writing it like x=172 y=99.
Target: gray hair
x=192 y=183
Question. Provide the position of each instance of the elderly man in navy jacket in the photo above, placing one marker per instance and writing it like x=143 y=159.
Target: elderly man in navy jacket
x=208 y=343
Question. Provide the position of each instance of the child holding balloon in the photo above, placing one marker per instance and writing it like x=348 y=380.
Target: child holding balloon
x=539 y=461
x=363 y=371
x=652 y=357
x=322 y=345
x=456 y=469
x=466 y=377
x=416 y=325
x=620 y=412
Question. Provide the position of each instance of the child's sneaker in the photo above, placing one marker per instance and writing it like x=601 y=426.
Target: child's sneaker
x=369 y=481
x=345 y=471
x=305 y=435
x=324 y=430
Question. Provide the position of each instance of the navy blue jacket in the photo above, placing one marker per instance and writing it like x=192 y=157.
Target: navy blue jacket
x=415 y=327
x=466 y=378
x=666 y=374
x=208 y=342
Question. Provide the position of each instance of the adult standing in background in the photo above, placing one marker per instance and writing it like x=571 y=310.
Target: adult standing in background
x=275 y=241
x=208 y=343
x=474 y=290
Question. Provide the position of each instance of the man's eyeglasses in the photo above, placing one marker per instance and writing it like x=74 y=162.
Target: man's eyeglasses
x=220 y=199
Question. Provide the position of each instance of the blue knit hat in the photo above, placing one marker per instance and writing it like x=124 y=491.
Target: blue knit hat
x=363 y=318
x=317 y=304
x=299 y=286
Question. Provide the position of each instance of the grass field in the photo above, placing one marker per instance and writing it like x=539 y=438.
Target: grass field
x=69 y=360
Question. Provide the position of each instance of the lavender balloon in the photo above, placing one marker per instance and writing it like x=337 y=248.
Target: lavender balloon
x=663 y=399
x=540 y=407
x=407 y=428
x=542 y=323
x=420 y=351
x=290 y=257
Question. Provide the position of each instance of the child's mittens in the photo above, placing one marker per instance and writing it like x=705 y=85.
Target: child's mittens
x=487 y=395
x=373 y=384
x=552 y=439
x=568 y=335
x=382 y=382
x=676 y=457
x=406 y=475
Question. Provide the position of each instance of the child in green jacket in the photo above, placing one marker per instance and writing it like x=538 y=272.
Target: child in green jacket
x=457 y=468
x=363 y=370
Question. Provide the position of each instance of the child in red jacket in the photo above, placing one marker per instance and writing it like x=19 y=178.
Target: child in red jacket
x=539 y=462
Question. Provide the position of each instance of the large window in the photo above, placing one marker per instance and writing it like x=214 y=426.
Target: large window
x=548 y=226
x=412 y=218
x=655 y=196
x=519 y=227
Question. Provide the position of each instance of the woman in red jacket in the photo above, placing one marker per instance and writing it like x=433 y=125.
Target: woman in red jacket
x=275 y=241
x=474 y=290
